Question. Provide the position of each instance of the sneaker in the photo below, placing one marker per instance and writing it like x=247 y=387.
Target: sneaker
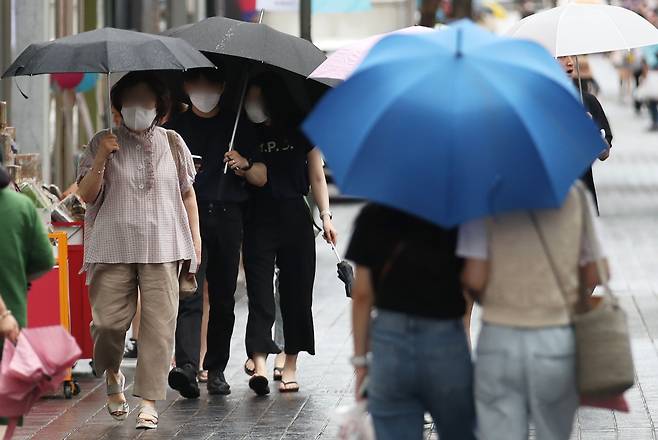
x=184 y=381
x=130 y=351
x=217 y=383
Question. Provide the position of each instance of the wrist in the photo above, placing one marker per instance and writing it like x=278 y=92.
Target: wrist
x=360 y=362
x=326 y=215
x=7 y=313
x=248 y=166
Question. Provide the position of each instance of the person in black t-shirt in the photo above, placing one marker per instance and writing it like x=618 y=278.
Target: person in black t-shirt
x=414 y=350
x=596 y=112
x=279 y=231
x=206 y=129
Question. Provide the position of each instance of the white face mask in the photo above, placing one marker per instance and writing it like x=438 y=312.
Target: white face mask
x=138 y=118
x=204 y=101
x=255 y=112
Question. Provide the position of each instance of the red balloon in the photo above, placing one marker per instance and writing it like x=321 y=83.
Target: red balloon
x=67 y=80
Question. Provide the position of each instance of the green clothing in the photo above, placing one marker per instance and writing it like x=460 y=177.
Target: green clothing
x=24 y=250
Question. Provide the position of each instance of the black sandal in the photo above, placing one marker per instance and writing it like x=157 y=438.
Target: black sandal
x=259 y=385
x=247 y=370
x=278 y=374
x=285 y=389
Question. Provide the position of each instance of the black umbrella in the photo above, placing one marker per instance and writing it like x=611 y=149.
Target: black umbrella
x=252 y=41
x=345 y=272
x=257 y=47
x=107 y=50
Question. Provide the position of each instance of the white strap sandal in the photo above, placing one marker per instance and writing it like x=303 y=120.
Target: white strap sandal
x=118 y=411
x=147 y=418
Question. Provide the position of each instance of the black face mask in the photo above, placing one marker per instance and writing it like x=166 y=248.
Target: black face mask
x=4 y=178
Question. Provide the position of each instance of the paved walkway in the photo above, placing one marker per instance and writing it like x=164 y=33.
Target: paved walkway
x=628 y=185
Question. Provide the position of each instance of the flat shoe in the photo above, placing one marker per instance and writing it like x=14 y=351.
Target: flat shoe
x=249 y=371
x=147 y=418
x=118 y=411
x=259 y=385
x=284 y=387
x=278 y=374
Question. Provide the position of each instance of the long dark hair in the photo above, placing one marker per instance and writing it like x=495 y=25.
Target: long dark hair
x=279 y=103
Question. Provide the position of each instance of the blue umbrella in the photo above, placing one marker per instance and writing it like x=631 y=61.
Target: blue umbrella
x=454 y=125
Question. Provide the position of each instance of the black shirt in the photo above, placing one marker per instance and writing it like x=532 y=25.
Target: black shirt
x=593 y=106
x=413 y=263
x=209 y=138
x=287 y=164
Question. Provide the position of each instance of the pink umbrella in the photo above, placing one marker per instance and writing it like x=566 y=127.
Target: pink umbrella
x=340 y=64
x=36 y=365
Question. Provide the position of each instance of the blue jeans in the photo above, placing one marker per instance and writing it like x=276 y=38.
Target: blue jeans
x=525 y=374
x=418 y=366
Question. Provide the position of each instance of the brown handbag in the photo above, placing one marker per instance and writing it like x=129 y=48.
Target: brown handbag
x=187 y=286
x=604 y=360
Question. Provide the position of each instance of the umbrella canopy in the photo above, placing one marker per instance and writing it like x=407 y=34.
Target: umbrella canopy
x=343 y=62
x=455 y=125
x=252 y=41
x=107 y=50
x=35 y=366
x=257 y=47
x=586 y=28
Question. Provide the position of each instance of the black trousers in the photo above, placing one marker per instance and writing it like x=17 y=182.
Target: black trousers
x=279 y=232
x=221 y=234
x=188 y=323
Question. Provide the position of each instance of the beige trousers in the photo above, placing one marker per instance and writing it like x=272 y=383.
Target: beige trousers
x=113 y=297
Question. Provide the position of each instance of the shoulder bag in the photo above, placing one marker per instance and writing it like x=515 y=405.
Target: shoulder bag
x=604 y=360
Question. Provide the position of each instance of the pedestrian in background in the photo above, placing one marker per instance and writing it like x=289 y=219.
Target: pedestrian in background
x=648 y=90
x=25 y=254
x=526 y=270
x=141 y=224
x=407 y=311
x=207 y=127
x=596 y=112
x=279 y=231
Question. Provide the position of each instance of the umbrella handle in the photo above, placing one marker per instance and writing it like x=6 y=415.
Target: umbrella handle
x=109 y=103
x=580 y=81
x=333 y=248
x=237 y=117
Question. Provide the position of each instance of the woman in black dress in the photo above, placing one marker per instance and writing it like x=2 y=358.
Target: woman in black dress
x=279 y=231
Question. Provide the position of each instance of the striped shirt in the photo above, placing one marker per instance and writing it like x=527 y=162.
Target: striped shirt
x=139 y=215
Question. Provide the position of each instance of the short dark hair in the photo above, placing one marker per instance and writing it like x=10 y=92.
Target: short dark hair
x=151 y=80
x=279 y=101
x=210 y=74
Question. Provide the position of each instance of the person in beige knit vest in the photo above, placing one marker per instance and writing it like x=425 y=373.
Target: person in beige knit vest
x=525 y=369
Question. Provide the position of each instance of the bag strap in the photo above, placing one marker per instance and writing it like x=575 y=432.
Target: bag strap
x=588 y=229
x=551 y=262
x=173 y=147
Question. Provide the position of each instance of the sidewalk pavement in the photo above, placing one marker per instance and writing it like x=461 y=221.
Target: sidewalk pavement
x=628 y=196
x=627 y=184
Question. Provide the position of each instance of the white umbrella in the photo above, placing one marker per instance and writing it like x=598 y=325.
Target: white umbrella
x=586 y=28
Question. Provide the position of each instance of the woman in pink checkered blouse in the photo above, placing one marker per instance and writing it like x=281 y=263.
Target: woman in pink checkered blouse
x=141 y=223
